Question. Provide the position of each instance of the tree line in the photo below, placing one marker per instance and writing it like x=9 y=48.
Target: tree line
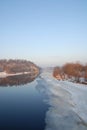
x=74 y=71
x=17 y=66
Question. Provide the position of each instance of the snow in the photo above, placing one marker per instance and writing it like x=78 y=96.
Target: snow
x=4 y=74
x=68 y=103
x=79 y=96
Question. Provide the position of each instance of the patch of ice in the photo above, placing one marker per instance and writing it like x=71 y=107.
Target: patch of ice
x=68 y=104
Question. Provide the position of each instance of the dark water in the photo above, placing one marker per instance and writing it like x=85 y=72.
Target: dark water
x=16 y=80
x=22 y=107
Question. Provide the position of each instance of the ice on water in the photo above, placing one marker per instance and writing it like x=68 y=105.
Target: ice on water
x=67 y=101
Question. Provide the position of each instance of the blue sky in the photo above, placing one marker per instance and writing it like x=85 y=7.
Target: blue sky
x=48 y=32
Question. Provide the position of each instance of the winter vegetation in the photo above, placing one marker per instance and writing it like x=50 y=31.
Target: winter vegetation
x=17 y=67
x=75 y=72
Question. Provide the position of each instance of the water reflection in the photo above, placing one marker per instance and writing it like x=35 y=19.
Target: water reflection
x=22 y=108
x=16 y=80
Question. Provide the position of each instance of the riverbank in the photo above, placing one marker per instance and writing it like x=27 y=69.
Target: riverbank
x=4 y=74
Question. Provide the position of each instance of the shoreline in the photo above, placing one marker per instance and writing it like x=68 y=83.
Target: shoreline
x=4 y=74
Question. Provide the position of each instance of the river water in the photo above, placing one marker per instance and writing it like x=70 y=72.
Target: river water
x=36 y=106
x=22 y=107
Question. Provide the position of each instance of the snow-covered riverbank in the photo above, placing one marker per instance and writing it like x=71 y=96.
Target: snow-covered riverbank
x=4 y=74
x=68 y=104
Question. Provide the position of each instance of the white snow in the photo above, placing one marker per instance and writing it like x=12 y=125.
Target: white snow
x=4 y=74
x=79 y=97
x=68 y=104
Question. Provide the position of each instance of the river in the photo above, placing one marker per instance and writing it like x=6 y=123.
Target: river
x=37 y=105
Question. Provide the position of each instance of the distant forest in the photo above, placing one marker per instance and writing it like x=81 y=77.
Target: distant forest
x=17 y=66
x=74 y=71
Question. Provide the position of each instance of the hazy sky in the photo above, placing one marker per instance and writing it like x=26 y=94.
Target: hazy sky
x=48 y=32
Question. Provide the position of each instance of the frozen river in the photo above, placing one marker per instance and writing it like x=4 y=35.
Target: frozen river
x=68 y=104
x=43 y=104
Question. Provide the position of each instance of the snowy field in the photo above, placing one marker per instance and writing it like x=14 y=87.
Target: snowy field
x=67 y=101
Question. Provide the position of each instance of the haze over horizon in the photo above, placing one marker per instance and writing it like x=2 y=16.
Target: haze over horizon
x=48 y=32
